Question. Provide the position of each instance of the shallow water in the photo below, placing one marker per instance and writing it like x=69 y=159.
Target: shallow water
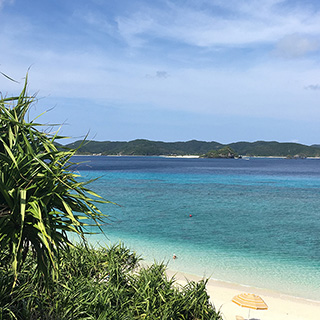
x=253 y=222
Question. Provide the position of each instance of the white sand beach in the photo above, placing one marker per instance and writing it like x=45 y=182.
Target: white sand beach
x=280 y=306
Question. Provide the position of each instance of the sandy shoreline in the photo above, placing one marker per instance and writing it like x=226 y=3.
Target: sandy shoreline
x=281 y=306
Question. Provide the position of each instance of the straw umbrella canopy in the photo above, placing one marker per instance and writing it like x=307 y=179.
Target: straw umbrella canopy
x=250 y=300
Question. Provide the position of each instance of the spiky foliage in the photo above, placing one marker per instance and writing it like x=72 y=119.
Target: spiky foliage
x=40 y=198
x=104 y=284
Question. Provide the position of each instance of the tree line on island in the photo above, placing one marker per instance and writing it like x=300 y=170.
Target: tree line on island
x=143 y=147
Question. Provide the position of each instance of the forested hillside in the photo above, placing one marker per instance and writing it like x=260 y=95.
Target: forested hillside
x=194 y=147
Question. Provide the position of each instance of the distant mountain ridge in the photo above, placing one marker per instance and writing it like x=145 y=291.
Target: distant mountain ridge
x=194 y=147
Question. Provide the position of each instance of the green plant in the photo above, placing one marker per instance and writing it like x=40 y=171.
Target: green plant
x=90 y=287
x=40 y=199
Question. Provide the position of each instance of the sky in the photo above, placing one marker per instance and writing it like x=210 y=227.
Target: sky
x=210 y=70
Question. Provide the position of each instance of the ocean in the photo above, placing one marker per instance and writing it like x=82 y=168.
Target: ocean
x=252 y=222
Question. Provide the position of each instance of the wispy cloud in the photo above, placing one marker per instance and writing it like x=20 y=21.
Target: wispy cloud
x=296 y=46
x=241 y=23
x=315 y=87
x=158 y=75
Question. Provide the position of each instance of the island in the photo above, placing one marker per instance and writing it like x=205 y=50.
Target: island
x=209 y=149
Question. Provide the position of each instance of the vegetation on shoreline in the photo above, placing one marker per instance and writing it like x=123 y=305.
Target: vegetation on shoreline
x=43 y=275
x=103 y=283
x=155 y=148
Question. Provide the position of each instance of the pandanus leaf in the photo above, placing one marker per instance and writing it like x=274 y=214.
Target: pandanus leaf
x=36 y=174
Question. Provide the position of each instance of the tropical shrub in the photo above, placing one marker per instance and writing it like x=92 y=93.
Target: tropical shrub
x=40 y=198
x=104 y=283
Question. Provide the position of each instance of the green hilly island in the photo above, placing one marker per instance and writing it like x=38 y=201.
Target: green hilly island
x=142 y=147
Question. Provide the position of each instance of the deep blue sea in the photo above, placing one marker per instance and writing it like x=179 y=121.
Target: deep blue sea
x=253 y=222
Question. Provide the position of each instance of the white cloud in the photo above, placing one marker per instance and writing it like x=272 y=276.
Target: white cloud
x=272 y=90
x=132 y=27
x=245 y=23
x=296 y=46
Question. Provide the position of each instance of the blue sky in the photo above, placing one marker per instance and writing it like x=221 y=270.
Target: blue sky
x=214 y=70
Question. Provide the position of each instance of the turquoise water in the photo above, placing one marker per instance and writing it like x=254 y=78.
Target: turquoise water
x=253 y=222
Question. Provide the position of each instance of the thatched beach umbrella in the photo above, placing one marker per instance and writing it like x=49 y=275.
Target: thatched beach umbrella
x=251 y=301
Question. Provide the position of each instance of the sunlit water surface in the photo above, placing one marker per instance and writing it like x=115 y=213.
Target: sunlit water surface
x=253 y=222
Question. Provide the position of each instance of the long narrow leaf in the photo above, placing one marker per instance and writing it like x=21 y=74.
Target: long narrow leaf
x=12 y=157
